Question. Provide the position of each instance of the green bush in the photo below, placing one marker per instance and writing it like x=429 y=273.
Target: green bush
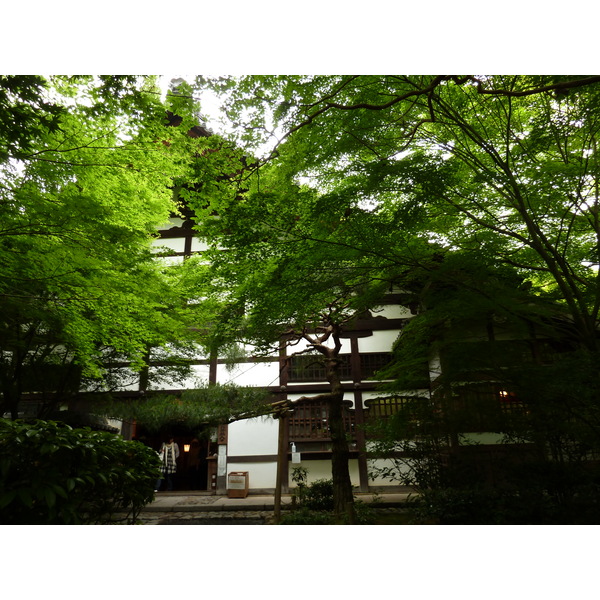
x=319 y=495
x=300 y=478
x=364 y=515
x=53 y=474
x=305 y=516
x=315 y=504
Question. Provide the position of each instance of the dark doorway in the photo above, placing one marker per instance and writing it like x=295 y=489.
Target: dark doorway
x=194 y=448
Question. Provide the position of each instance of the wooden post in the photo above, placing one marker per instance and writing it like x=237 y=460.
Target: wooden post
x=281 y=449
x=351 y=514
x=280 y=411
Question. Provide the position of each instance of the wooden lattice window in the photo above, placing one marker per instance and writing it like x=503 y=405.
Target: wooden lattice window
x=510 y=403
x=310 y=421
x=373 y=362
x=482 y=407
x=310 y=367
x=381 y=408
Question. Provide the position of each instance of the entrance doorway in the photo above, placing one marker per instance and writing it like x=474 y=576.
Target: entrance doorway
x=194 y=448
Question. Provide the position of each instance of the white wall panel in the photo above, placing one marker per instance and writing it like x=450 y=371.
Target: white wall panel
x=392 y=311
x=198 y=378
x=173 y=244
x=346 y=347
x=381 y=463
x=129 y=379
x=260 y=475
x=423 y=393
x=380 y=341
x=198 y=245
x=321 y=469
x=250 y=374
x=348 y=395
x=170 y=260
x=253 y=437
x=172 y=222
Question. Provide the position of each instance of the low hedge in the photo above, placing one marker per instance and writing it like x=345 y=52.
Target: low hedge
x=51 y=473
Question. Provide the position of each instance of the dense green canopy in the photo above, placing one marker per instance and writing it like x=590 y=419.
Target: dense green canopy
x=504 y=168
x=85 y=182
x=471 y=195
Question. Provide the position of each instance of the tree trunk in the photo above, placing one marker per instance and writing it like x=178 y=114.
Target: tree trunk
x=281 y=463
x=342 y=486
x=343 y=500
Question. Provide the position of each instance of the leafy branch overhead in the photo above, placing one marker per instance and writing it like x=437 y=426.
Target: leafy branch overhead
x=211 y=405
x=85 y=183
x=393 y=170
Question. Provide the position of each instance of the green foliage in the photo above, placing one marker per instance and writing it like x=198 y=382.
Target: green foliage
x=213 y=404
x=545 y=472
x=545 y=499
x=25 y=114
x=319 y=495
x=51 y=474
x=82 y=193
x=414 y=439
x=364 y=515
x=305 y=516
x=314 y=504
x=502 y=167
x=477 y=196
x=300 y=478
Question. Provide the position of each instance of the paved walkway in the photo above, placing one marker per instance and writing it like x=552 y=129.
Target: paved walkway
x=202 y=501
x=180 y=508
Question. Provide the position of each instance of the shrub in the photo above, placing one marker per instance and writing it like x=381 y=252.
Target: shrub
x=299 y=477
x=315 y=504
x=364 y=514
x=305 y=516
x=319 y=495
x=51 y=473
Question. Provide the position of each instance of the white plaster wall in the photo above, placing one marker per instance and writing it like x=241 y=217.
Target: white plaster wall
x=170 y=349
x=133 y=382
x=172 y=222
x=392 y=311
x=370 y=395
x=116 y=423
x=199 y=377
x=250 y=374
x=380 y=341
x=251 y=349
x=346 y=347
x=423 y=393
x=130 y=382
x=435 y=367
x=348 y=396
x=173 y=244
x=198 y=245
x=321 y=469
x=170 y=260
x=260 y=475
x=253 y=436
x=481 y=438
x=380 y=481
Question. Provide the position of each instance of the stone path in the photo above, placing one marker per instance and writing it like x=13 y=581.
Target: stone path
x=173 y=508
x=190 y=501
x=237 y=517
x=233 y=517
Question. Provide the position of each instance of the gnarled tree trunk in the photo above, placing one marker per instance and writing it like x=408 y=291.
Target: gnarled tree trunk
x=342 y=487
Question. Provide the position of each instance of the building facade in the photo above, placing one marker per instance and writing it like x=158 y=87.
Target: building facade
x=253 y=445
